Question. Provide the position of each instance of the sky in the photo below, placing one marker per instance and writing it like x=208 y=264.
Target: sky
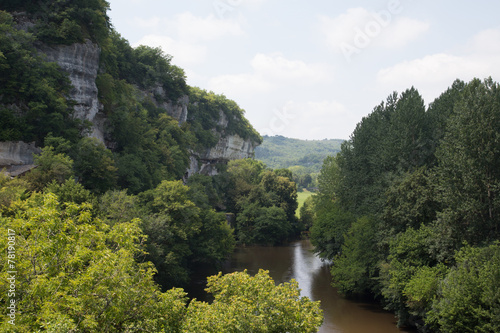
x=313 y=69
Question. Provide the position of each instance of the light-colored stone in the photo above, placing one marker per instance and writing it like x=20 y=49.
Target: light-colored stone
x=17 y=153
x=230 y=147
x=176 y=109
x=81 y=62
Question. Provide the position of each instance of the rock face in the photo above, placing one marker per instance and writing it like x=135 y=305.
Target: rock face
x=17 y=153
x=231 y=147
x=81 y=61
x=177 y=110
x=228 y=148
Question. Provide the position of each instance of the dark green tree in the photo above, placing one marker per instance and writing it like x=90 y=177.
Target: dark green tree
x=468 y=298
x=469 y=165
x=94 y=165
x=355 y=268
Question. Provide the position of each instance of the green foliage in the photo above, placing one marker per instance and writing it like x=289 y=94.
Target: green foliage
x=181 y=234
x=329 y=227
x=208 y=111
x=469 y=165
x=282 y=192
x=51 y=167
x=411 y=201
x=117 y=206
x=331 y=222
x=280 y=152
x=262 y=225
x=94 y=165
x=391 y=140
x=468 y=298
x=253 y=304
x=33 y=92
x=71 y=191
x=63 y=22
x=306 y=213
x=74 y=272
x=149 y=147
x=354 y=270
x=264 y=202
x=411 y=265
x=11 y=190
x=419 y=183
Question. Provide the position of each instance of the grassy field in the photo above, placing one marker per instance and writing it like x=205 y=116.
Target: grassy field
x=301 y=197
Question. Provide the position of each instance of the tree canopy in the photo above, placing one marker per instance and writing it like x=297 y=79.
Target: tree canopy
x=409 y=206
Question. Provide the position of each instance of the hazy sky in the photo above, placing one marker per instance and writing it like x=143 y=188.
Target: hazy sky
x=313 y=69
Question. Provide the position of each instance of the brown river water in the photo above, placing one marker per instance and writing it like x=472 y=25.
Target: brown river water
x=297 y=261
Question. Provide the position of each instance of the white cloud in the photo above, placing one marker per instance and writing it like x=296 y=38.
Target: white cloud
x=149 y=23
x=187 y=37
x=432 y=74
x=486 y=42
x=184 y=53
x=403 y=31
x=276 y=67
x=269 y=72
x=360 y=28
x=239 y=85
x=311 y=120
x=194 y=28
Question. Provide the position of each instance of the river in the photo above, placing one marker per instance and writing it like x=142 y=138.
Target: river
x=297 y=261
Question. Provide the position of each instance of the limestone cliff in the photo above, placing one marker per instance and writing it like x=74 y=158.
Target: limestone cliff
x=16 y=157
x=228 y=148
x=81 y=61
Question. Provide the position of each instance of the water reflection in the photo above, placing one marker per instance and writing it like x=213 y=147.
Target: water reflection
x=297 y=261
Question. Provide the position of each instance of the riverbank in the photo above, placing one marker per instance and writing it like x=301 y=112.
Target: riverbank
x=297 y=261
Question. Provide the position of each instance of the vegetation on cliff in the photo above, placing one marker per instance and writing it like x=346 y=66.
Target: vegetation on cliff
x=102 y=236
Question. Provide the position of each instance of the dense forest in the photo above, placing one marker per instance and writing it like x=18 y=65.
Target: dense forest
x=99 y=238
x=408 y=211
x=303 y=157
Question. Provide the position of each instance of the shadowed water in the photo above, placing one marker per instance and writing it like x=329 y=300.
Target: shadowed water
x=297 y=261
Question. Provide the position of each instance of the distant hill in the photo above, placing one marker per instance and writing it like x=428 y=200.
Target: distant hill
x=280 y=152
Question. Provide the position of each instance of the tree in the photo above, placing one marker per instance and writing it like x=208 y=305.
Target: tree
x=253 y=304
x=468 y=298
x=282 y=191
x=331 y=222
x=51 y=167
x=355 y=267
x=34 y=92
x=74 y=273
x=170 y=220
x=306 y=213
x=410 y=275
x=469 y=165
x=329 y=228
x=412 y=200
x=94 y=165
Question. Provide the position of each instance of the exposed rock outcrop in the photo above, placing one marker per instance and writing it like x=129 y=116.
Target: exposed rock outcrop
x=17 y=153
x=81 y=62
x=16 y=157
x=177 y=110
x=231 y=147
